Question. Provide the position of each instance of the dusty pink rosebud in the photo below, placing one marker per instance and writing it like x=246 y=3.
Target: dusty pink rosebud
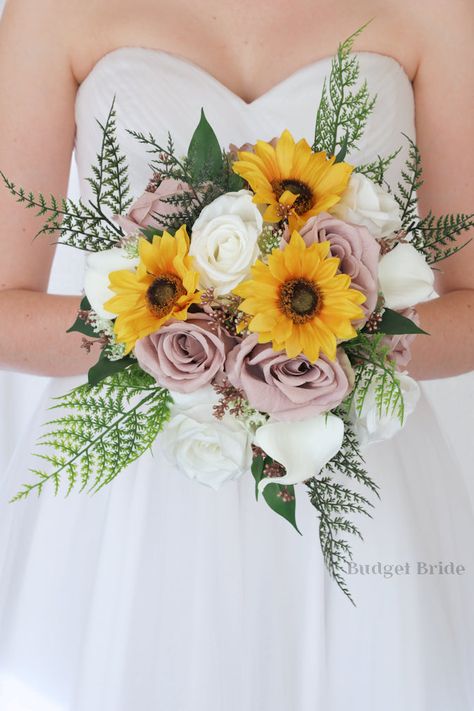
x=249 y=147
x=288 y=388
x=185 y=355
x=141 y=212
x=400 y=344
x=357 y=249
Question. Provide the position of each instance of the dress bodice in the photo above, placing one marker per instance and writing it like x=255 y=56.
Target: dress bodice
x=159 y=92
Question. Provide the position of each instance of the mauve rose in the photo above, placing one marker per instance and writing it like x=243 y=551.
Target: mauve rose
x=400 y=344
x=356 y=248
x=140 y=213
x=249 y=147
x=288 y=388
x=185 y=355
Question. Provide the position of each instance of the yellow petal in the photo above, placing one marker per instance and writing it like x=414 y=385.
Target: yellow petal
x=285 y=151
x=272 y=213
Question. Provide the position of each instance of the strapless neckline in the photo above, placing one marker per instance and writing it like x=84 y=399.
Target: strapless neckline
x=185 y=63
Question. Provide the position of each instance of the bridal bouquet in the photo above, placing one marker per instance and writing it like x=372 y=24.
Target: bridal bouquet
x=254 y=307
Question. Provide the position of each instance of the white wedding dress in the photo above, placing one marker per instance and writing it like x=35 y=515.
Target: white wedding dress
x=159 y=594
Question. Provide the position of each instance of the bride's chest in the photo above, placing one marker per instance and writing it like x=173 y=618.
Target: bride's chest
x=163 y=93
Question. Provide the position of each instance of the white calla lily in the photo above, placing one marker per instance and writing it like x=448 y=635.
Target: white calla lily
x=405 y=277
x=303 y=447
x=96 y=278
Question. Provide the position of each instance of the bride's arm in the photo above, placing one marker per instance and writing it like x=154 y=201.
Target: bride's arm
x=444 y=122
x=37 y=91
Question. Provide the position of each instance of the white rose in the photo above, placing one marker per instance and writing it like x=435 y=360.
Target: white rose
x=224 y=241
x=96 y=279
x=368 y=204
x=204 y=448
x=405 y=278
x=185 y=401
x=370 y=426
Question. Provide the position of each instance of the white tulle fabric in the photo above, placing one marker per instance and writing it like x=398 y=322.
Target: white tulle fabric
x=159 y=594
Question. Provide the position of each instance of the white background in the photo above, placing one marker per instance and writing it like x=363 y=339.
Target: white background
x=19 y=394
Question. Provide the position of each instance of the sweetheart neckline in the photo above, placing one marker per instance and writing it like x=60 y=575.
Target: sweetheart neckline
x=184 y=61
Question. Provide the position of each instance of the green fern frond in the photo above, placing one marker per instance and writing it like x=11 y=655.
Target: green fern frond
x=375 y=373
x=436 y=237
x=335 y=504
x=412 y=180
x=110 y=183
x=104 y=429
x=342 y=113
x=78 y=224
x=375 y=170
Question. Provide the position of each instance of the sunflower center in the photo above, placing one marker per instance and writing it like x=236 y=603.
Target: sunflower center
x=305 y=199
x=163 y=293
x=300 y=300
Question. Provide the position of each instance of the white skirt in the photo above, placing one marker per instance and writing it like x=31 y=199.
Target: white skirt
x=159 y=594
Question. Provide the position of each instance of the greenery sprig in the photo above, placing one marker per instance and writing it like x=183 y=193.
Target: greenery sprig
x=81 y=225
x=342 y=113
x=336 y=503
x=206 y=172
x=375 y=170
x=435 y=237
x=104 y=429
x=374 y=371
x=110 y=183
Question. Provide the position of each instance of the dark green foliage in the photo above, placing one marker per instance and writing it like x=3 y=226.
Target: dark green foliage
x=435 y=237
x=80 y=325
x=110 y=183
x=79 y=225
x=280 y=498
x=103 y=429
x=204 y=153
x=411 y=182
x=105 y=367
x=335 y=503
x=394 y=323
x=206 y=171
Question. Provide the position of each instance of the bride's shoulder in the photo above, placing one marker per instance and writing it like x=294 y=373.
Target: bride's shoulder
x=450 y=19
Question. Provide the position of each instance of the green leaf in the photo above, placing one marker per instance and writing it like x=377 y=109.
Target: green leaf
x=150 y=232
x=287 y=509
x=235 y=182
x=204 y=152
x=79 y=325
x=105 y=367
x=394 y=323
x=343 y=149
x=272 y=493
x=85 y=304
x=257 y=471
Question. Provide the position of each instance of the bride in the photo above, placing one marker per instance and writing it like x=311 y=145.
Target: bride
x=157 y=594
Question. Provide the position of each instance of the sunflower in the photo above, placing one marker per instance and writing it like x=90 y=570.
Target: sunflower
x=163 y=287
x=293 y=181
x=299 y=302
